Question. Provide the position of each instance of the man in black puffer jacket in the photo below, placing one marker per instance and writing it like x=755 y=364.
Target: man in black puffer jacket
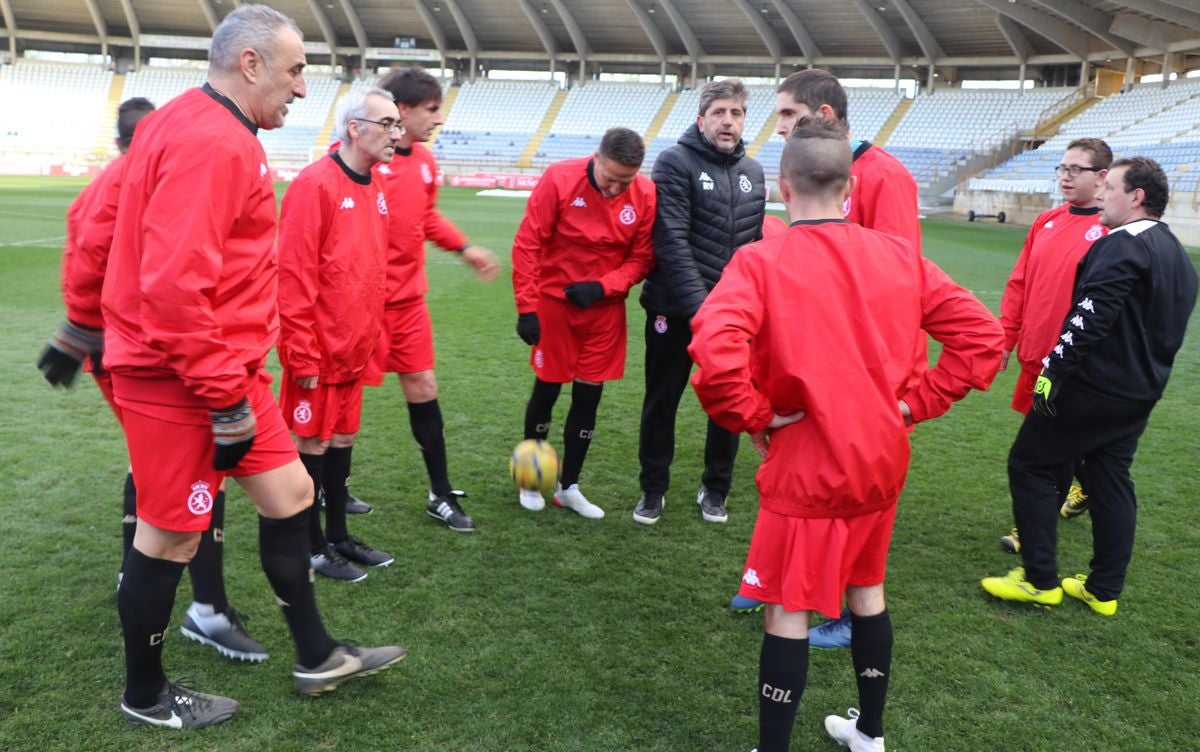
x=711 y=199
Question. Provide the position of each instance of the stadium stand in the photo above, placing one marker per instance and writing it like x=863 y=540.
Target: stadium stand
x=589 y=111
x=31 y=90
x=1148 y=120
x=492 y=121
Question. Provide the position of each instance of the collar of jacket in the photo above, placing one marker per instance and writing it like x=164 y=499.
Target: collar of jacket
x=692 y=139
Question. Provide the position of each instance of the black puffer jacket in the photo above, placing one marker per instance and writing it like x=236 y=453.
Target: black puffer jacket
x=709 y=205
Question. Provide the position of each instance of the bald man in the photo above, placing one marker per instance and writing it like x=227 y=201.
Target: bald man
x=820 y=404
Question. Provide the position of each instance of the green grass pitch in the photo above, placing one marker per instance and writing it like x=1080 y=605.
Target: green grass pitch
x=550 y=632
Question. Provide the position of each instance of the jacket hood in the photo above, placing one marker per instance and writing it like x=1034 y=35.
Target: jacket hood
x=692 y=139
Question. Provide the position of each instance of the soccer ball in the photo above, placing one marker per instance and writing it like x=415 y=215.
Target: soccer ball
x=534 y=465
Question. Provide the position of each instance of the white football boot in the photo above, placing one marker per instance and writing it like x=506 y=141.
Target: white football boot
x=845 y=732
x=531 y=500
x=572 y=498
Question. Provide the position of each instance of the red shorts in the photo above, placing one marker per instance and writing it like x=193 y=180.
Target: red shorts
x=579 y=343
x=806 y=563
x=104 y=381
x=324 y=411
x=169 y=434
x=405 y=342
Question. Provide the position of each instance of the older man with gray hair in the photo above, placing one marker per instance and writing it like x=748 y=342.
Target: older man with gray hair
x=711 y=201
x=333 y=266
x=190 y=307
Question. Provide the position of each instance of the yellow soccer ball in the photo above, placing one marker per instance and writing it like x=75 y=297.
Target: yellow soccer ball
x=534 y=466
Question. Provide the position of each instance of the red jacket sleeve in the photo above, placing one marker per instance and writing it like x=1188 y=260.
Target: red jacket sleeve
x=181 y=266
x=640 y=260
x=722 y=330
x=1013 y=303
x=302 y=229
x=971 y=340
x=534 y=234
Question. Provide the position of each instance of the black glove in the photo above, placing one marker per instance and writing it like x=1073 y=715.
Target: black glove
x=584 y=294
x=233 y=434
x=1045 y=390
x=529 y=328
x=63 y=356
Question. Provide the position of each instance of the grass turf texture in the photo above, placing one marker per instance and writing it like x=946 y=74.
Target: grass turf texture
x=545 y=631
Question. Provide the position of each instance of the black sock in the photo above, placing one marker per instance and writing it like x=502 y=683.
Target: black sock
x=129 y=518
x=333 y=480
x=782 y=674
x=144 y=602
x=429 y=430
x=207 y=566
x=578 y=429
x=871 y=651
x=540 y=408
x=283 y=551
x=315 y=465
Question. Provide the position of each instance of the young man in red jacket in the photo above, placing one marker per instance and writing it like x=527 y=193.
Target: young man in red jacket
x=407 y=349
x=883 y=198
x=190 y=309
x=1037 y=296
x=210 y=620
x=806 y=344
x=332 y=268
x=584 y=242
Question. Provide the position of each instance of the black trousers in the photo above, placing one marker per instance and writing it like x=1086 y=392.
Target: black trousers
x=1104 y=433
x=668 y=366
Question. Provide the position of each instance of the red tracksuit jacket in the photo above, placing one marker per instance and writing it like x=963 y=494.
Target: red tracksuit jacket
x=1039 y=290
x=192 y=283
x=885 y=196
x=89 y=240
x=332 y=256
x=411 y=185
x=824 y=319
x=573 y=233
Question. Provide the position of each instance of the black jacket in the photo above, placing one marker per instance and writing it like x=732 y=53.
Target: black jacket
x=709 y=205
x=1134 y=292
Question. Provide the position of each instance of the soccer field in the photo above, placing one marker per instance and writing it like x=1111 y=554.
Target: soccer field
x=546 y=631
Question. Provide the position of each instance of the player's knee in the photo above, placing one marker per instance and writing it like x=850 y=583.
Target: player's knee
x=419 y=387
x=865 y=601
x=343 y=440
x=312 y=444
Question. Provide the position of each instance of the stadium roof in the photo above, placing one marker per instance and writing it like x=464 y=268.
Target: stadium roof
x=747 y=37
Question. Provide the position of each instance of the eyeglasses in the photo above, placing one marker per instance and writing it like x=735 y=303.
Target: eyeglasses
x=1074 y=170
x=388 y=125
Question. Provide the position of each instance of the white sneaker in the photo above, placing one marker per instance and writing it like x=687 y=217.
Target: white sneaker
x=845 y=732
x=532 y=500
x=572 y=498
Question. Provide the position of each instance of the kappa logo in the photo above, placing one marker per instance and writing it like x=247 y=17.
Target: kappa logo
x=384 y=169
x=262 y=169
x=744 y=184
x=303 y=412
x=200 y=500
x=660 y=324
x=706 y=182
x=1046 y=360
x=1048 y=225
x=1095 y=232
x=1068 y=338
x=347 y=203
x=426 y=175
x=751 y=578
x=579 y=202
x=1077 y=321
x=873 y=673
x=1058 y=350
x=846 y=207
x=628 y=215
x=1087 y=305
x=539 y=360
x=381 y=202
